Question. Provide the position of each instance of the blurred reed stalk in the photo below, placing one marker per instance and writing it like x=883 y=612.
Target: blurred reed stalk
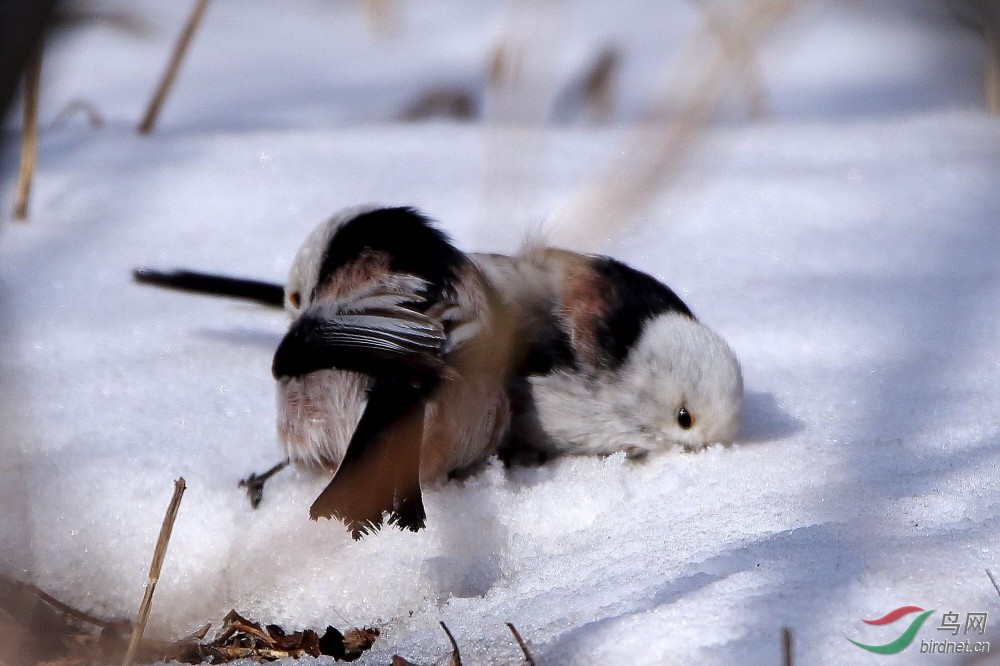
x=174 y=64
x=520 y=81
x=751 y=79
x=29 y=136
x=992 y=71
x=983 y=16
x=383 y=15
x=658 y=149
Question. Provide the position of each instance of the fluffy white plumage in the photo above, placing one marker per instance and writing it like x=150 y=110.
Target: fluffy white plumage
x=596 y=406
x=318 y=413
x=304 y=273
x=676 y=362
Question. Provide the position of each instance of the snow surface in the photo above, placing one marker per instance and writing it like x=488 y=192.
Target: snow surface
x=846 y=247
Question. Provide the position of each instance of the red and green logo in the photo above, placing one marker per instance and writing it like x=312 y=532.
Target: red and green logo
x=905 y=638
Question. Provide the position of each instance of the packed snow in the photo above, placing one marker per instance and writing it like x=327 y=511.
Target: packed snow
x=846 y=246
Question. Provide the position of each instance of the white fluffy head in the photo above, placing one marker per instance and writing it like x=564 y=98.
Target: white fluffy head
x=680 y=364
x=304 y=274
x=676 y=363
x=318 y=413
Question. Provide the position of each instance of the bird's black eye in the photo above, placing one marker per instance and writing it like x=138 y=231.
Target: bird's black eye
x=684 y=419
x=295 y=298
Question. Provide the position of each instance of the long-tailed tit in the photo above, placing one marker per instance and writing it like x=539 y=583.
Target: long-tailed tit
x=394 y=369
x=401 y=364
x=619 y=362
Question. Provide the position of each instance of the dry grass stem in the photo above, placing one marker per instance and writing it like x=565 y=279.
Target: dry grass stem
x=992 y=71
x=176 y=58
x=456 y=657
x=154 y=570
x=993 y=580
x=29 y=137
x=786 y=646
x=520 y=641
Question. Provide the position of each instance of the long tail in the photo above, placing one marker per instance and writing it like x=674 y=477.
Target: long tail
x=270 y=294
x=380 y=473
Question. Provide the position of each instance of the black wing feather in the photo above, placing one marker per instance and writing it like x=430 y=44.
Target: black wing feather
x=390 y=341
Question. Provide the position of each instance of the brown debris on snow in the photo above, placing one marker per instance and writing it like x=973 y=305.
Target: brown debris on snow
x=36 y=628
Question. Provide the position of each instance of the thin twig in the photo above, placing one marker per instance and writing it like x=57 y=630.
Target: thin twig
x=180 y=48
x=243 y=627
x=68 y=610
x=154 y=570
x=198 y=633
x=993 y=580
x=520 y=641
x=29 y=138
x=786 y=646
x=89 y=110
x=456 y=657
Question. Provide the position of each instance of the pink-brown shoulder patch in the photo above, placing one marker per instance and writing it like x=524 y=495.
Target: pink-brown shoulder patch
x=586 y=300
x=367 y=268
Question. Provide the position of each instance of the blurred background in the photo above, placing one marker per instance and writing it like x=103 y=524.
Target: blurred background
x=817 y=178
x=231 y=67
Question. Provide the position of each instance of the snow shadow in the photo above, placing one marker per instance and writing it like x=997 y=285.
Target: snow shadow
x=16 y=493
x=586 y=638
x=251 y=337
x=746 y=575
x=763 y=420
x=467 y=567
x=913 y=434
